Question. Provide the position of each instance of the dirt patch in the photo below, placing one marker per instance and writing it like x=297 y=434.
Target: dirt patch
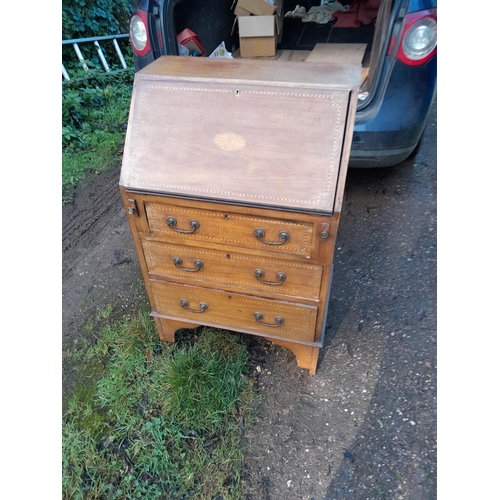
x=365 y=426
x=100 y=265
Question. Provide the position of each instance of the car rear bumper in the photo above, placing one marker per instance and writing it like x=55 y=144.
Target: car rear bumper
x=141 y=62
x=389 y=133
x=379 y=158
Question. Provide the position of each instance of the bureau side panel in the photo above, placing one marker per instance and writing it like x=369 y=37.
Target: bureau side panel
x=136 y=216
x=326 y=253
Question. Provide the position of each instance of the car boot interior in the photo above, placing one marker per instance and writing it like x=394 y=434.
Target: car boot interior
x=360 y=22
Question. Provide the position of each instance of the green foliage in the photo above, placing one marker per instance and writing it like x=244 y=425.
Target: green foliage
x=92 y=105
x=95 y=105
x=94 y=122
x=84 y=18
x=161 y=420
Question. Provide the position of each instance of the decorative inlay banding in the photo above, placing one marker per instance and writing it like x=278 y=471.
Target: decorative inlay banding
x=232 y=142
x=157 y=263
x=206 y=218
x=171 y=309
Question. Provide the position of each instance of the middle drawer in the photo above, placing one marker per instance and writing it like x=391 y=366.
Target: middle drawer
x=233 y=269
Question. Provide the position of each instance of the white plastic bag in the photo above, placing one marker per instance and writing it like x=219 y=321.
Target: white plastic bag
x=221 y=52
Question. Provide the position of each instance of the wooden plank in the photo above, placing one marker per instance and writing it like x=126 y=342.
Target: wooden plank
x=293 y=55
x=345 y=53
x=364 y=74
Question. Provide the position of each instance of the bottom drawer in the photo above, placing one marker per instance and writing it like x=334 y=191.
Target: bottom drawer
x=241 y=312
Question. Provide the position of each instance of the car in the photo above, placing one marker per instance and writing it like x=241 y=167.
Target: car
x=400 y=59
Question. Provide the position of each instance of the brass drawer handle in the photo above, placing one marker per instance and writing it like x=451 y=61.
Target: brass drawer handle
x=172 y=221
x=259 y=274
x=282 y=235
x=279 y=320
x=178 y=264
x=185 y=304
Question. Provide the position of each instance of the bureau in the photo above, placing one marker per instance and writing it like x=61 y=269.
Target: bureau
x=232 y=180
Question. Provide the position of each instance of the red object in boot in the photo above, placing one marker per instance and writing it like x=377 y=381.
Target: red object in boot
x=189 y=39
x=360 y=12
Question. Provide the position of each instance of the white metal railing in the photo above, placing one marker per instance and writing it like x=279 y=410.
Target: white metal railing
x=102 y=58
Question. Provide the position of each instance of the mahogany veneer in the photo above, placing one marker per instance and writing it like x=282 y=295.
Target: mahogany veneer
x=232 y=178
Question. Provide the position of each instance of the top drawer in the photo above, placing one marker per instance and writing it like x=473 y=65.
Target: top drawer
x=187 y=226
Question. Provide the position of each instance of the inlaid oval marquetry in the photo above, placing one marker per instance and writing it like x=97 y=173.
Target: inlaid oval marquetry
x=228 y=141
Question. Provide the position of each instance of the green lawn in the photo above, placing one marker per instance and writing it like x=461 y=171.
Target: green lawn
x=156 y=420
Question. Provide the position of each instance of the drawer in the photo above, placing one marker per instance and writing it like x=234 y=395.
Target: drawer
x=225 y=268
x=234 y=311
x=185 y=225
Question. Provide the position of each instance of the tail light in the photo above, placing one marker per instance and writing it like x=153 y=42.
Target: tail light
x=138 y=32
x=419 y=42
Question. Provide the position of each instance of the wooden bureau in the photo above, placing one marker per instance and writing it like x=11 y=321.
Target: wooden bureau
x=232 y=178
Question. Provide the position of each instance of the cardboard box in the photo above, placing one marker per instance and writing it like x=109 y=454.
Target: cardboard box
x=258 y=35
x=238 y=11
x=256 y=7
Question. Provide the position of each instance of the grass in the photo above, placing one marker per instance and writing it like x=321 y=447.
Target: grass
x=94 y=122
x=151 y=420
